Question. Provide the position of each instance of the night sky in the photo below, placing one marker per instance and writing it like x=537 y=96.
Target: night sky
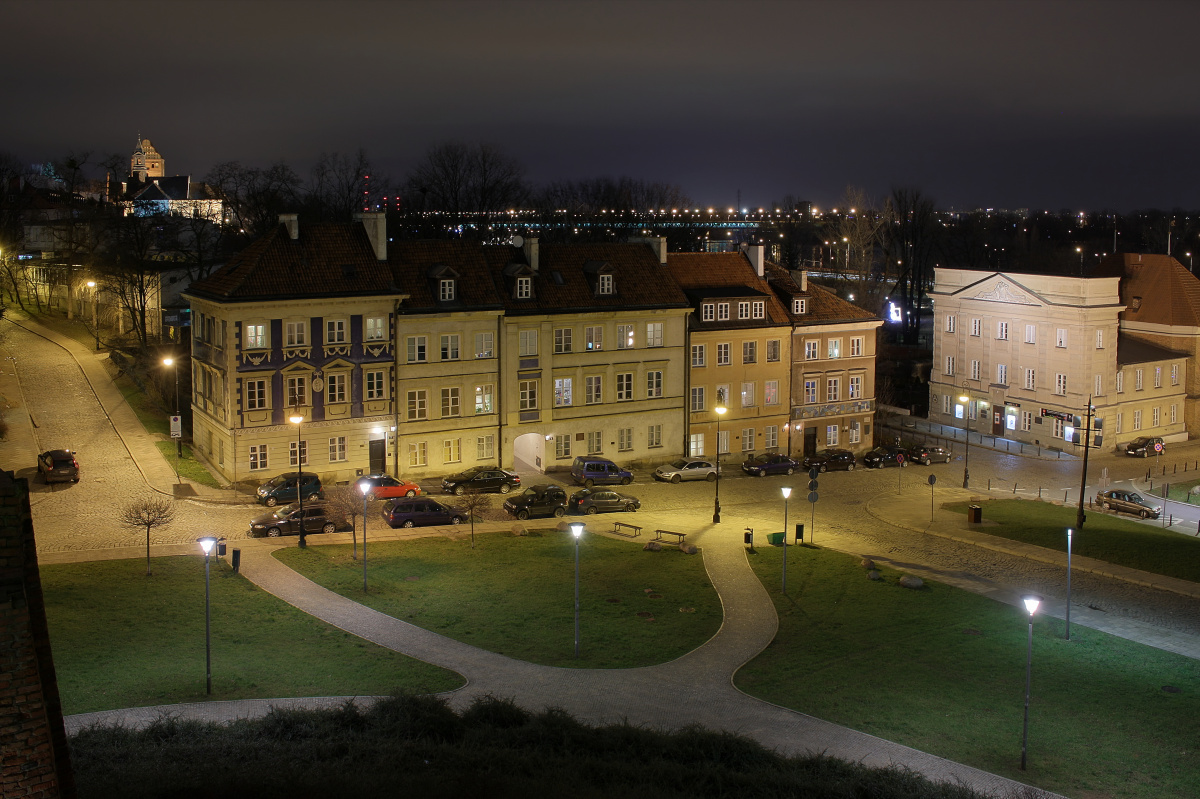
x=1078 y=105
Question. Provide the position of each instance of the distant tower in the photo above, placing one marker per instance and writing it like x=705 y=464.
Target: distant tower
x=145 y=161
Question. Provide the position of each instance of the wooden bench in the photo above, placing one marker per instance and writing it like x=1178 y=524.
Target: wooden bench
x=627 y=530
x=679 y=537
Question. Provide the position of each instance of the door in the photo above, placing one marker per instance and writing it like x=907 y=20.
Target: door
x=810 y=441
x=997 y=421
x=377 y=452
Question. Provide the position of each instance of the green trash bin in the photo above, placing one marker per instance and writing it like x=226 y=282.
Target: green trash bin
x=775 y=539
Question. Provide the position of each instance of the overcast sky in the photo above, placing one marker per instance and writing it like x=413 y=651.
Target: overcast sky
x=1037 y=104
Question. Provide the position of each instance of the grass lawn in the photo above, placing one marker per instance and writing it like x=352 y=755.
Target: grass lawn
x=122 y=639
x=189 y=467
x=516 y=595
x=943 y=670
x=1106 y=537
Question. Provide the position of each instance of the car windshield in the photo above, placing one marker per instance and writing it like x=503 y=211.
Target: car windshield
x=1136 y=498
x=679 y=464
x=761 y=459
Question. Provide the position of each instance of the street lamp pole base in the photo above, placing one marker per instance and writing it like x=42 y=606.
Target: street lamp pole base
x=716 y=513
x=966 y=480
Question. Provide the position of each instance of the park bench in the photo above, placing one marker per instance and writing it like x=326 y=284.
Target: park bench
x=660 y=534
x=627 y=530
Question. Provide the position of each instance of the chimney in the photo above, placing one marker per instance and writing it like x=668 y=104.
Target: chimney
x=657 y=243
x=376 y=226
x=804 y=280
x=755 y=254
x=531 y=252
x=292 y=221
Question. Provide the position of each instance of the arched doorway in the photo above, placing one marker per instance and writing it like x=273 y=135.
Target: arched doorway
x=529 y=453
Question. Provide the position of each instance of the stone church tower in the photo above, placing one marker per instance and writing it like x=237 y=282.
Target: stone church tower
x=146 y=162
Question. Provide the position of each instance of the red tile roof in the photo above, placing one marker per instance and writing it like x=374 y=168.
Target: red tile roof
x=1163 y=290
x=710 y=275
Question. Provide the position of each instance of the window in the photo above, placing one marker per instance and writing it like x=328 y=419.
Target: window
x=759 y=310
x=976 y=326
x=1158 y=377
x=1060 y=384
x=256 y=395
x=833 y=389
x=562 y=392
x=1120 y=381
x=594 y=337
x=1026 y=420
x=747 y=439
x=335 y=331
x=484 y=346
x=374 y=384
x=373 y=329
x=595 y=443
x=773 y=350
x=1059 y=428
x=1002 y=331
x=483 y=398
x=747 y=395
x=297 y=391
x=810 y=391
x=335 y=388
x=1174 y=414
x=945 y=403
x=625 y=337
x=528 y=343
x=417 y=454
x=698 y=353
x=451 y=450
x=1137 y=420
x=1002 y=374
x=949 y=323
x=811 y=352
x=1099 y=339
x=451 y=402
x=855 y=432
x=624 y=386
x=1156 y=415
x=1174 y=374
x=856 y=390
x=654 y=334
x=485 y=448
x=834 y=348
x=974 y=370
x=625 y=439
x=562 y=339
x=723 y=442
x=258 y=457
x=771 y=436
x=771 y=392
x=416 y=349
x=256 y=337
x=1031 y=379
x=722 y=355
x=605 y=284
x=695 y=445
x=654 y=435
x=524 y=288
x=799 y=306
x=722 y=311
x=417 y=405
x=562 y=446
x=446 y=291
x=722 y=395
x=593 y=389
x=831 y=435
x=950 y=365
x=337 y=449
x=302 y=447
x=1099 y=386
x=527 y=395
x=749 y=352
x=1117 y=424
x=1030 y=334
x=297 y=334
x=450 y=348
x=654 y=384
x=743 y=310
x=1137 y=379
x=1060 y=337
x=708 y=312
x=697 y=398
x=856 y=347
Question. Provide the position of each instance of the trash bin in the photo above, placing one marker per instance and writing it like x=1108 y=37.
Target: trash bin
x=974 y=514
x=237 y=559
x=775 y=539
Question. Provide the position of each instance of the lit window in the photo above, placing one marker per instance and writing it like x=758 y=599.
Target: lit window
x=374 y=329
x=594 y=338
x=417 y=405
x=256 y=337
x=625 y=337
x=562 y=392
x=483 y=398
x=484 y=345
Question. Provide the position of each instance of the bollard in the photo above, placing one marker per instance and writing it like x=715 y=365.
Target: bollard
x=1147 y=474
x=1174 y=468
x=1014 y=488
x=1151 y=488
x=1067 y=491
x=1039 y=492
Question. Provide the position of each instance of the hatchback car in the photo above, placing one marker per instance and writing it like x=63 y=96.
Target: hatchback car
x=288 y=487
x=882 y=457
x=1145 y=446
x=683 y=469
x=420 y=512
x=539 y=500
x=481 y=478
x=769 y=463
x=831 y=459
x=58 y=466
x=1120 y=499
x=601 y=500
x=286 y=521
x=383 y=486
x=928 y=455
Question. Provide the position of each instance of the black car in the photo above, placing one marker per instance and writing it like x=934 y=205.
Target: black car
x=286 y=521
x=539 y=500
x=602 y=500
x=58 y=466
x=769 y=463
x=882 y=457
x=927 y=455
x=481 y=478
x=831 y=459
x=421 y=512
x=289 y=487
x=1145 y=446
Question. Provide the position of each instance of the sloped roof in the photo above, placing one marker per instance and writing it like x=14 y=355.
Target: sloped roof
x=1163 y=290
x=719 y=275
x=413 y=264
x=824 y=306
x=1132 y=350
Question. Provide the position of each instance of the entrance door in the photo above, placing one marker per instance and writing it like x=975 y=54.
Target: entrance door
x=377 y=449
x=997 y=420
x=810 y=440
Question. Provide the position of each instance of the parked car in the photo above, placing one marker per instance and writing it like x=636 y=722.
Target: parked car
x=588 y=471
x=383 y=486
x=481 y=478
x=286 y=521
x=288 y=487
x=769 y=463
x=1120 y=499
x=686 y=469
x=927 y=455
x=539 y=500
x=831 y=459
x=420 y=512
x=882 y=457
x=58 y=466
x=600 y=500
x=1144 y=447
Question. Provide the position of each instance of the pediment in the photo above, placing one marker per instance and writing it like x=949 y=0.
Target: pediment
x=1001 y=288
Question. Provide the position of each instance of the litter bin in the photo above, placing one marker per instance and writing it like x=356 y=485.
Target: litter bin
x=974 y=514
x=775 y=539
x=237 y=559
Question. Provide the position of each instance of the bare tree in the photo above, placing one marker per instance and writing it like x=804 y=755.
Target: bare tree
x=148 y=512
x=910 y=240
x=340 y=185
x=466 y=179
x=255 y=197
x=346 y=502
x=475 y=503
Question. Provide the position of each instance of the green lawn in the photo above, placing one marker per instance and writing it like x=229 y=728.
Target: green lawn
x=515 y=595
x=122 y=639
x=943 y=670
x=1105 y=536
x=189 y=467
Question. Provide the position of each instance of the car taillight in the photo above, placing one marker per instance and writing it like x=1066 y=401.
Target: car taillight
x=75 y=463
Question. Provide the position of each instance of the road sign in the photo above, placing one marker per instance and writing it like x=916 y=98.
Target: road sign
x=814 y=471
x=1158 y=446
x=932 y=479
x=812 y=485
x=812 y=497
x=899 y=457
x=176 y=427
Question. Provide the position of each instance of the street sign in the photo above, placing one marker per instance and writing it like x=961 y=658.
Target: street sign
x=812 y=485
x=814 y=471
x=932 y=479
x=812 y=497
x=900 y=457
x=176 y=427
x=1158 y=446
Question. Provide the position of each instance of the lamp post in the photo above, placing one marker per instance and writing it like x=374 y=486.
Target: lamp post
x=207 y=543
x=1031 y=605
x=787 y=492
x=178 y=441
x=577 y=531
x=720 y=409
x=966 y=400
x=91 y=284
x=297 y=419
x=1069 y=583
x=365 y=487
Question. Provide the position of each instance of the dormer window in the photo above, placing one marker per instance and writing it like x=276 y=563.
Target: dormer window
x=799 y=306
x=524 y=288
x=446 y=290
x=743 y=310
x=722 y=312
x=708 y=312
x=605 y=284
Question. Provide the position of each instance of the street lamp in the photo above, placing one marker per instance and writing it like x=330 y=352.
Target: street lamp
x=178 y=440
x=720 y=409
x=1031 y=605
x=787 y=492
x=91 y=284
x=365 y=487
x=1069 y=583
x=965 y=399
x=298 y=420
x=207 y=543
x=577 y=531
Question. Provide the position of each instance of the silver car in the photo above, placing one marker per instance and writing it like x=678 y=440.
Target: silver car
x=1119 y=499
x=683 y=469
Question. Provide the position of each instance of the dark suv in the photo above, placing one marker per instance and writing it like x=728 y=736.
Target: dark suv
x=1144 y=447
x=288 y=487
x=58 y=466
x=421 y=512
x=927 y=455
x=540 y=500
x=286 y=521
x=831 y=459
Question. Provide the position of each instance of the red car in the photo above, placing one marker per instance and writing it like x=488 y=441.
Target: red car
x=387 y=487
